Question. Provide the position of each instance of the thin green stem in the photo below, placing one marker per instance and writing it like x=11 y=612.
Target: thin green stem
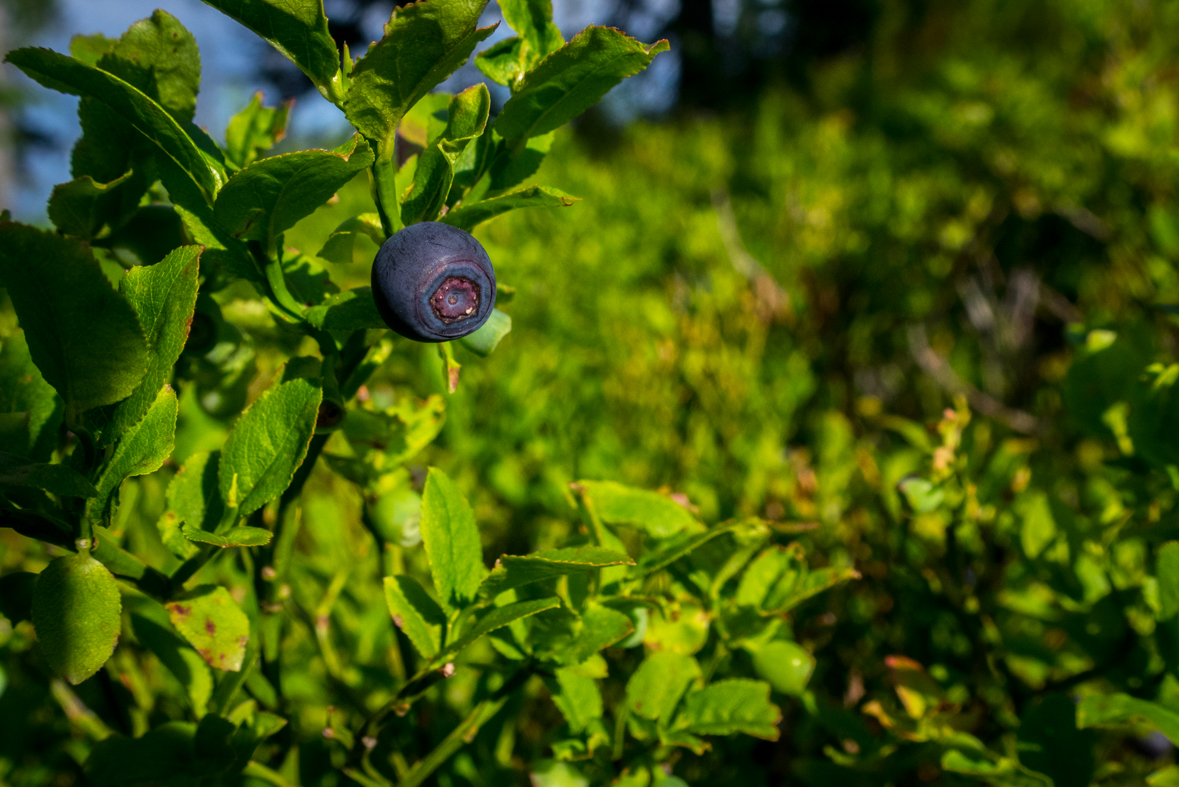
x=259 y=771
x=384 y=174
x=464 y=733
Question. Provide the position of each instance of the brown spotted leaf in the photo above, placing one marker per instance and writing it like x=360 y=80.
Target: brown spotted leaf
x=213 y=623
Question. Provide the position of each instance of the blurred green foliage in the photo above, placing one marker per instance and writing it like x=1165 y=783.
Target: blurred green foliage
x=918 y=312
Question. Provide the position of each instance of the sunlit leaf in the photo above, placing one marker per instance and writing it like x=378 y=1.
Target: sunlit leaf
x=1111 y=710
x=452 y=541
x=655 y=689
x=660 y=516
x=268 y=197
x=424 y=43
x=163 y=296
x=268 y=444
x=254 y=130
x=573 y=79
x=58 y=72
x=213 y=623
x=512 y=571
x=415 y=613
x=730 y=706
x=297 y=28
x=142 y=449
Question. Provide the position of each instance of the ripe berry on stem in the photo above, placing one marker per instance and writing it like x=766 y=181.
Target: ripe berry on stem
x=433 y=282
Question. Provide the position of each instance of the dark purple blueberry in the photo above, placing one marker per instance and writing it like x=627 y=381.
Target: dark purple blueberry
x=433 y=282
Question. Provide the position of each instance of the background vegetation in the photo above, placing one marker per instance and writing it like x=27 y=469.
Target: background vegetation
x=912 y=302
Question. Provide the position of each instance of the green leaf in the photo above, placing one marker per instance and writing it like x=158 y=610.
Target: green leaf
x=533 y=20
x=548 y=773
x=164 y=298
x=158 y=57
x=426 y=195
x=57 y=480
x=678 y=627
x=142 y=449
x=1000 y=772
x=512 y=164
x=267 y=445
x=241 y=536
x=109 y=148
x=779 y=580
x=58 y=72
x=354 y=310
x=308 y=282
x=180 y=659
x=255 y=129
x=434 y=170
x=193 y=499
x=1167 y=777
x=396 y=434
x=681 y=545
x=1168 y=579
x=600 y=627
x=1116 y=709
x=415 y=613
x=1039 y=527
x=90 y=48
x=569 y=638
x=484 y=341
x=77 y=614
x=452 y=541
x=731 y=706
x=225 y=257
x=573 y=79
x=468 y=217
x=1049 y=742
x=500 y=617
x=346 y=243
x=504 y=62
x=213 y=623
x=1154 y=417
x=785 y=665
x=296 y=28
x=82 y=206
x=31 y=404
x=424 y=123
x=921 y=494
x=655 y=689
x=83 y=336
x=466 y=116
x=787 y=594
x=659 y=516
x=577 y=696
x=424 y=43
x=513 y=571
x=764 y=572
x=269 y=196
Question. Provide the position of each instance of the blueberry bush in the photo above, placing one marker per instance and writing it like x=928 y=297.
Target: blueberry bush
x=168 y=333
x=833 y=441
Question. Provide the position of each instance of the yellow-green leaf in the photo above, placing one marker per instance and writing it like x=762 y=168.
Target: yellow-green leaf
x=213 y=623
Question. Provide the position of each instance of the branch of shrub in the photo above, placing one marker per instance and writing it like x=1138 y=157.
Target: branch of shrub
x=937 y=368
